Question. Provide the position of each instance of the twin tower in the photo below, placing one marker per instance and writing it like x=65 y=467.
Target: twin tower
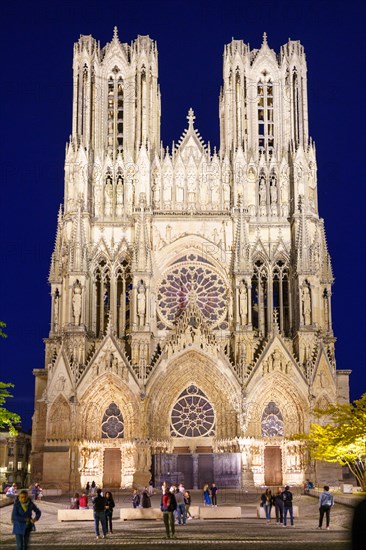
x=191 y=327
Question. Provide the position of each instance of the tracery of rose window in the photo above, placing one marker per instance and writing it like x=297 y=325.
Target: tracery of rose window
x=112 y=423
x=196 y=278
x=192 y=415
x=272 y=421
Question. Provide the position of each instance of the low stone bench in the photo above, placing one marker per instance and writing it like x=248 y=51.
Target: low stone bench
x=75 y=515
x=261 y=513
x=51 y=492
x=194 y=511
x=131 y=514
x=220 y=512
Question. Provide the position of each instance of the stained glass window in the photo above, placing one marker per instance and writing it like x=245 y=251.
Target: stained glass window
x=272 y=421
x=112 y=423
x=197 y=278
x=192 y=415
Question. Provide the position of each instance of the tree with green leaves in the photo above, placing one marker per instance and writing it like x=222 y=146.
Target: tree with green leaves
x=8 y=419
x=341 y=437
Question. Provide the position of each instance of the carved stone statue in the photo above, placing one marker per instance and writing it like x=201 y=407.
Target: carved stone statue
x=262 y=192
x=243 y=304
x=141 y=304
x=119 y=201
x=56 y=305
x=76 y=304
x=306 y=306
x=273 y=191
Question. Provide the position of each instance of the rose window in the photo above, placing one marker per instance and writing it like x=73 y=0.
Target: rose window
x=112 y=423
x=192 y=278
x=272 y=421
x=192 y=415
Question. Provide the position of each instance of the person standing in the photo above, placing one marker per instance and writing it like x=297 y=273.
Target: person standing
x=145 y=499
x=75 y=502
x=287 y=506
x=83 y=502
x=87 y=489
x=326 y=501
x=181 y=508
x=92 y=491
x=136 y=499
x=109 y=510
x=278 y=502
x=214 y=494
x=99 y=508
x=168 y=506
x=267 y=502
x=23 y=519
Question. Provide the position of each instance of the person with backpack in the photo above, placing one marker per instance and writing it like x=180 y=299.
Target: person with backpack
x=287 y=506
x=168 y=506
x=326 y=502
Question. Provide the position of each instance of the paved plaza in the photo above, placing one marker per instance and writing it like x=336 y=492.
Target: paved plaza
x=248 y=532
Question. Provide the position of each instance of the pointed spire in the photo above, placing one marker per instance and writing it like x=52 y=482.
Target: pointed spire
x=303 y=242
x=191 y=118
x=78 y=256
x=115 y=33
x=241 y=245
x=56 y=255
x=326 y=265
x=142 y=250
x=264 y=40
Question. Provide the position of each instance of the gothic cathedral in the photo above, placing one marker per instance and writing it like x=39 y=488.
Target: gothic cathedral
x=191 y=323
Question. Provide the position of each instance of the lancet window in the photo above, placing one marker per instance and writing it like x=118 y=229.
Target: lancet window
x=112 y=423
x=115 y=113
x=272 y=421
x=271 y=292
x=265 y=116
x=192 y=415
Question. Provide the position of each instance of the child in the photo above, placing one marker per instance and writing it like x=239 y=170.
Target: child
x=23 y=520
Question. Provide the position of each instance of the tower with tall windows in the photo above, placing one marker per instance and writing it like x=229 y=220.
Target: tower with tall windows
x=191 y=328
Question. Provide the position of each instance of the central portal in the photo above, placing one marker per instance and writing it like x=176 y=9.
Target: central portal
x=272 y=466
x=112 y=468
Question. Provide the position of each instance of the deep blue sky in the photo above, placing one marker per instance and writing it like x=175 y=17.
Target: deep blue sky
x=36 y=98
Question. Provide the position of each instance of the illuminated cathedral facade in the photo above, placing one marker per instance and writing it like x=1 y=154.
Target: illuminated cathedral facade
x=191 y=322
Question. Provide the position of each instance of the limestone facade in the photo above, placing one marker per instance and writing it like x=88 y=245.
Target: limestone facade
x=191 y=324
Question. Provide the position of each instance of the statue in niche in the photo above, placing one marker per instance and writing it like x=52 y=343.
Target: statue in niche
x=243 y=304
x=60 y=383
x=119 y=201
x=141 y=304
x=179 y=190
x=326 y=310
x=273 y=191
x=108 y=197
x=306 y=306
x=262 y=192
x=167 y=192
x=76 y=304
x=97 y=199
x=56 y=305
x=215 y=198
x=276 y=360
x=191 y=185
x=168 y=234
x=114 y=364
x=226 y=194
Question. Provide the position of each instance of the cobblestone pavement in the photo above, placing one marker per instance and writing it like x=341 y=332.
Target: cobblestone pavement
x=248 y=532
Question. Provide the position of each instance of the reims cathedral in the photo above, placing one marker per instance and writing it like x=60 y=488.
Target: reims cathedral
x=191 y=322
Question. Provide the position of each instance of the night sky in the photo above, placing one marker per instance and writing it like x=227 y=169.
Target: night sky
x=36 y=99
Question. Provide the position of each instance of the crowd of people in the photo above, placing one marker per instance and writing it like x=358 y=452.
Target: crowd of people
x=175 y=505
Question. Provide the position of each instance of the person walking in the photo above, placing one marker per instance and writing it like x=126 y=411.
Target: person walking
x=181 y=508
x=168 y=505
x=99 y=508
x=326 y=501
x=266 y=502
x=287 y=506
x=109 y=510
x=23 y=519
x=187 y=502
x=206 y=495
x=214 y=494
x=278 y=502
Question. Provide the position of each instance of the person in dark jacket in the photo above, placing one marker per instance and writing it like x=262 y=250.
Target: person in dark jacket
x=136 y=499
x=278 y=502
x=287 y=505
x=168 y=506
x=266 y=502
x=109 y=510
x=23 y=519
x=145 y=499
x=99 y=507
